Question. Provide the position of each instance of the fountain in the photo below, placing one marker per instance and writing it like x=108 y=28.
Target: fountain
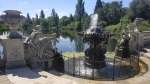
x=94 y=65
x=96 y=38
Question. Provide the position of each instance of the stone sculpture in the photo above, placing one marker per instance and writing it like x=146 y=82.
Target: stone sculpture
x=138 y=23
x=124 y=45
x=39 y=51
x=40 y=46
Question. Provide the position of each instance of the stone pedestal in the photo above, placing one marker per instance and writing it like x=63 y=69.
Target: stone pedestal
x=14 y=52
x=138 y=40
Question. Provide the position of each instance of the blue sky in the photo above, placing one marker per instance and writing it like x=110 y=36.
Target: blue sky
x=62 y=7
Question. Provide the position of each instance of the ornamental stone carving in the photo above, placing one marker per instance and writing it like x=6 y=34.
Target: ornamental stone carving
x=40 y=46
x=12 y=18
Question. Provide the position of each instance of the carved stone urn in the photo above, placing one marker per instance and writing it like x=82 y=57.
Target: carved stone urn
x=12 y=18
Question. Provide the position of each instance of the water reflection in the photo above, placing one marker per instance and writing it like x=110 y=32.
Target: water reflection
x=68 y=41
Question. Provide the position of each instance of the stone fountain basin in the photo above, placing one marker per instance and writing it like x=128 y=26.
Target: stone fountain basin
x=78 y=67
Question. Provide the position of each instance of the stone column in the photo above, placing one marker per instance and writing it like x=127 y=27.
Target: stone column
x=14 y=52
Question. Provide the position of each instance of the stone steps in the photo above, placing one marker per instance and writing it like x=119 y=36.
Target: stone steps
x=147 y=49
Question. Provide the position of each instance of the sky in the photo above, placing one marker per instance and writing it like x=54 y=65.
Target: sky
x=62 y=7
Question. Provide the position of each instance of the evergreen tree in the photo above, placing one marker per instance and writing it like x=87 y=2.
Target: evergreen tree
x=80 y=10
x=28 y=23
x=28 y=17
x=85 y=21
x=37 y=22
x=55 y=18
x=37 y=16
x=71 y=18
x=42 y=14
x=98 y=5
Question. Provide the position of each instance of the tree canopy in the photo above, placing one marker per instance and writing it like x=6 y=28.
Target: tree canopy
x=110 y=13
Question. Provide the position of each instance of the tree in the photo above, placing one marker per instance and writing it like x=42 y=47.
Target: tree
x=42 y=14
x=49 y=21
x=64 y=21
x=71 y=18
x=140 y=9
x=85 y=21
x=28 y=23
x=79 y=12
x=110 y=13
x=37 y=22
x=98 y=5
x=55 y=18
x=44 y=24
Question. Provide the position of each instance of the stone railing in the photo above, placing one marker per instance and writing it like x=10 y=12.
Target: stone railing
x=140 y=39
x=146 y=39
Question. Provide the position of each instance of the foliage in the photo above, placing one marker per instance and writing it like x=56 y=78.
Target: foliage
x=64 y=21
x=44 y=24
x=145 y=26
x=4 y=29
x=124 y=22
x=98 y=5
x=112 y=16
x=71 y=19
x=37 y=21
x=102 y=24
x=55 y=18
x=42 y=15
x=85 y=21
x=80 y=10
x=28 y=23
x=140 y=9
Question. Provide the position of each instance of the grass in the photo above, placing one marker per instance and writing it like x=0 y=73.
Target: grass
x=79 y=54
x=110 y=54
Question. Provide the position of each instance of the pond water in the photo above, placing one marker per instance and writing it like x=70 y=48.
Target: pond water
x=68 y=42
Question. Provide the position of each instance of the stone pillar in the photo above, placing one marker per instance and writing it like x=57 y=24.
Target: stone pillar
x=14 y=52
x=137 y=40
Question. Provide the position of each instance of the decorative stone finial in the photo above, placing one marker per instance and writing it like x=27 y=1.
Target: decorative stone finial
x=12 y=18
x=138 y=22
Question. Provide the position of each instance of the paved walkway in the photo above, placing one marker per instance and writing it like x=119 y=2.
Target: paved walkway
x=24 y=75
x=3 y=77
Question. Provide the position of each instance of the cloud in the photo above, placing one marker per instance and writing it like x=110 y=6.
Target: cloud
x=63 y=13
x=23 y=3
x=45 y=9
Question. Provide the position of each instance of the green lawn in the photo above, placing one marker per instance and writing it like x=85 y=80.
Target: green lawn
x=79 y=54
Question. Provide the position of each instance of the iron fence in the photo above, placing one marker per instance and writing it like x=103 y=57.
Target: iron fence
x=115 y=69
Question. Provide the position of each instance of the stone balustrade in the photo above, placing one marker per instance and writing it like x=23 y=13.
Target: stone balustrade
x=146 y=39
x=140 y=39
